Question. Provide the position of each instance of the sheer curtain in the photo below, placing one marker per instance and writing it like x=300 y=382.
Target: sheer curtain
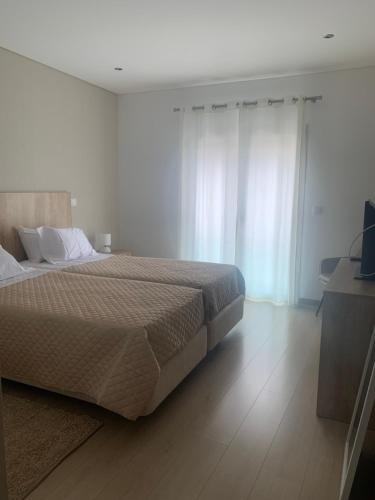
x=209 y=181
x=239 y=194
x=268 y=200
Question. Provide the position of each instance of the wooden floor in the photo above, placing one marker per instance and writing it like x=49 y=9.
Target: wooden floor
x=242 y=426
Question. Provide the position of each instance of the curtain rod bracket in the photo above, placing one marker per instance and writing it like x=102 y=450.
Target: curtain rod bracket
x=313 y=98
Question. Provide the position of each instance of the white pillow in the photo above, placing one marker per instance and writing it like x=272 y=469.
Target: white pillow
x=9 y=267
x=30 y=240
x=87 y=249
x=58 y=245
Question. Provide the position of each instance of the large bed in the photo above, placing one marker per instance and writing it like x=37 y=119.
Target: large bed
x=107 y=341
x=120 y=332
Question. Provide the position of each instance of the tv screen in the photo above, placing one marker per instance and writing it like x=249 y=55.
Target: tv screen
x=368 y=242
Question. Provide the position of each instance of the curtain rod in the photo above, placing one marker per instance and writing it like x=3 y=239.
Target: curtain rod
x=312 y=98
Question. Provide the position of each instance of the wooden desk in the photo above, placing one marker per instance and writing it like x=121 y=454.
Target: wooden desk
x=348 y=321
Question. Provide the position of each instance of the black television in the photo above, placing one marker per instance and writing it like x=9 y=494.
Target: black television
x=368 y=243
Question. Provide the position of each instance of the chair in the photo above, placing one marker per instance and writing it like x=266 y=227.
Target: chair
x=327 y=268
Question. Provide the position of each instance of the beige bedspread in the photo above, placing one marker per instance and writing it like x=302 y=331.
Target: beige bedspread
x=103 y=340
x=220 y=283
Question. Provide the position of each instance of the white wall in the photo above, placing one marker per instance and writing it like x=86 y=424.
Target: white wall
x=340 y=166
x=58 y=133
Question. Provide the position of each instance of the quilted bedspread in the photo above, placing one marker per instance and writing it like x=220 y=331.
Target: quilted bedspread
x=220 y=283
x=102 y=340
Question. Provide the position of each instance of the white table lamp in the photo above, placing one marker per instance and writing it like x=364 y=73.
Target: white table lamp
x=103 y=242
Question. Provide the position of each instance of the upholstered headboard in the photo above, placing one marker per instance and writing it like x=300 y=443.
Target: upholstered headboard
x=31 y=210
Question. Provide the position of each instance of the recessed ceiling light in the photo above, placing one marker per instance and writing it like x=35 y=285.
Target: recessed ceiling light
x=329 y=35
x=118 y=68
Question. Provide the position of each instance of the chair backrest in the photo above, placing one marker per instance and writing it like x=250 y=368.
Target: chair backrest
x=328 y=266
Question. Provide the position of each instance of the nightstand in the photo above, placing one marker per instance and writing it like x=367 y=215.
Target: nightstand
x=121 y=252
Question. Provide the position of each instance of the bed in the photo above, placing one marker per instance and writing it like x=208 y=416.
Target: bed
x=41 y=325
x=111 y=342
x=169 y=320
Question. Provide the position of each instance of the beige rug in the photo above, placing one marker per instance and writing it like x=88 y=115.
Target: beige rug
x=38 y=436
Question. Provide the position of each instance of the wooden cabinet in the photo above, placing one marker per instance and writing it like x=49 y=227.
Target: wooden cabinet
x=347 y=324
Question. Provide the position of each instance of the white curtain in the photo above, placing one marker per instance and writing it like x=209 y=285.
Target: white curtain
x=267 y=216
x=209 y=186
x=239 y=194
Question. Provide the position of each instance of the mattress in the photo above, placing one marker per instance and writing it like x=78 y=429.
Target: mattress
x=102 y=340
x=221 y=284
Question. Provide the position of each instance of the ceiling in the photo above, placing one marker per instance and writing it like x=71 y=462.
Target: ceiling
x=174 y=43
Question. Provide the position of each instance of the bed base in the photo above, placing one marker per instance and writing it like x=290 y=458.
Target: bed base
x=222 y=324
